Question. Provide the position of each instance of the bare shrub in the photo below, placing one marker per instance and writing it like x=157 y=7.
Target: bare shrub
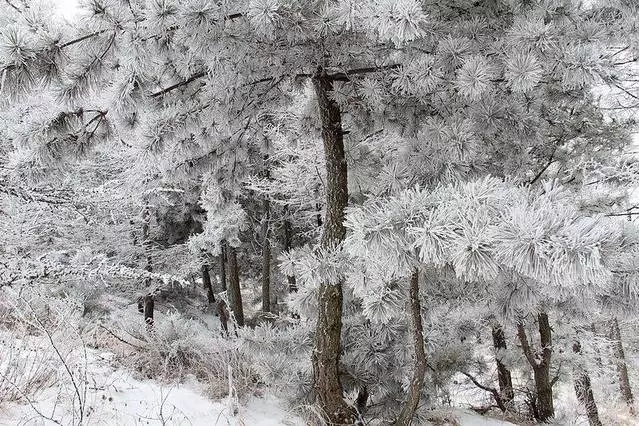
x=177 y=347
x=46 y=350
x=25 y=372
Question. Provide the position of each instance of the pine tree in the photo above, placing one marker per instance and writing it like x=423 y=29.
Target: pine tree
x=458 y=90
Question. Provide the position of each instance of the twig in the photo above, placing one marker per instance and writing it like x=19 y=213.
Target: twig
x=493 y=391
x=119 y=338
x=62 y=360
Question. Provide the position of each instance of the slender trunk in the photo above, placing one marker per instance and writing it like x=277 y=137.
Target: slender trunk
x=416 y=384
x=134 y=237
x=222 y=311
x=223 y=265
x=208 y=286
x=148 y=311
x=598 y=360
x=503 y=373
x=362 y=400
x=318 y=216
x=620 y=361
x=583 y=389
x=234 y=294
x=327 y=387
x=545 y=409
x=146 y=242
x=266 y=259
x=288 y=244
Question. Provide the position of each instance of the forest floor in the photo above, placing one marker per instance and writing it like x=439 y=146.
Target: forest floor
x=59 y=366
x=115 y=397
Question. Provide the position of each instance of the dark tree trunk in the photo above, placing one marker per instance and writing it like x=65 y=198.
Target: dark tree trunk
x=362 y=400
x=208 y=286
x=318 y=217
x=583 y=389
x=234 y=293
x=148 y=311
x=327 y=387
x=266 y=259
x=288 y=244
x=545 y=403
x=416 y=384
x=222 y=311
x=620 y=362
x=134 y=237
x=545 y=409
x=503 y=373
x=598 y=360
x=223 y=265
x=146 y=243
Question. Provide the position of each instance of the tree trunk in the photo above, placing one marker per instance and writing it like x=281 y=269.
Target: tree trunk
x=620 y=361
x=327 y=387
x=598 y=360
x=146 y=242
x=503 y=373
x=318 y=216
x=148 y=311
x=223 y=265
x=416 y=384
x=545 y=409
x=222 y=311
x=545 y=403
x=234 y=294
x=583 y=389
x=288 y=244
x=208 y=286
x=266 y=259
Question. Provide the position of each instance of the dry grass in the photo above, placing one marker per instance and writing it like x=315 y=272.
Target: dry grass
x=179 y=347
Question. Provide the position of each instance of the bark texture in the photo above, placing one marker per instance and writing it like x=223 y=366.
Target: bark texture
x=544 y=408
x=146 y=243
x=598 y=360
x=503 y=373
x=620 y=361
x=288 y=244
x=327 y=387
x=222 y=266
x=222 y=311
x=234 y=293
x=266 y=258
x=149 y=305
x=206 y=282
x=417 y=382
x=583 y=389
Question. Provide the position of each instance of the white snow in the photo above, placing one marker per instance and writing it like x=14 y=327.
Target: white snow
x=115 y=397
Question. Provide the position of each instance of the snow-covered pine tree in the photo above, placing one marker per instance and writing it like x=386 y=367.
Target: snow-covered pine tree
x=489 y=87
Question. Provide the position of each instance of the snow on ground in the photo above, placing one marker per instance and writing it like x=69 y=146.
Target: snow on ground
x=114 y=397
x=467 y=418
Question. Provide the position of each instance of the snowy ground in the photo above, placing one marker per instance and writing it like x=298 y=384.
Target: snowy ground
x=114 y=397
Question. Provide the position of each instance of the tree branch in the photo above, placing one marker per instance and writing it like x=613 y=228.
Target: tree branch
x=551 y=160
x=16 y=8
x=180 y=84
x=81 y=39
x=493 y=391
x=343 y=76
x=346 y=76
